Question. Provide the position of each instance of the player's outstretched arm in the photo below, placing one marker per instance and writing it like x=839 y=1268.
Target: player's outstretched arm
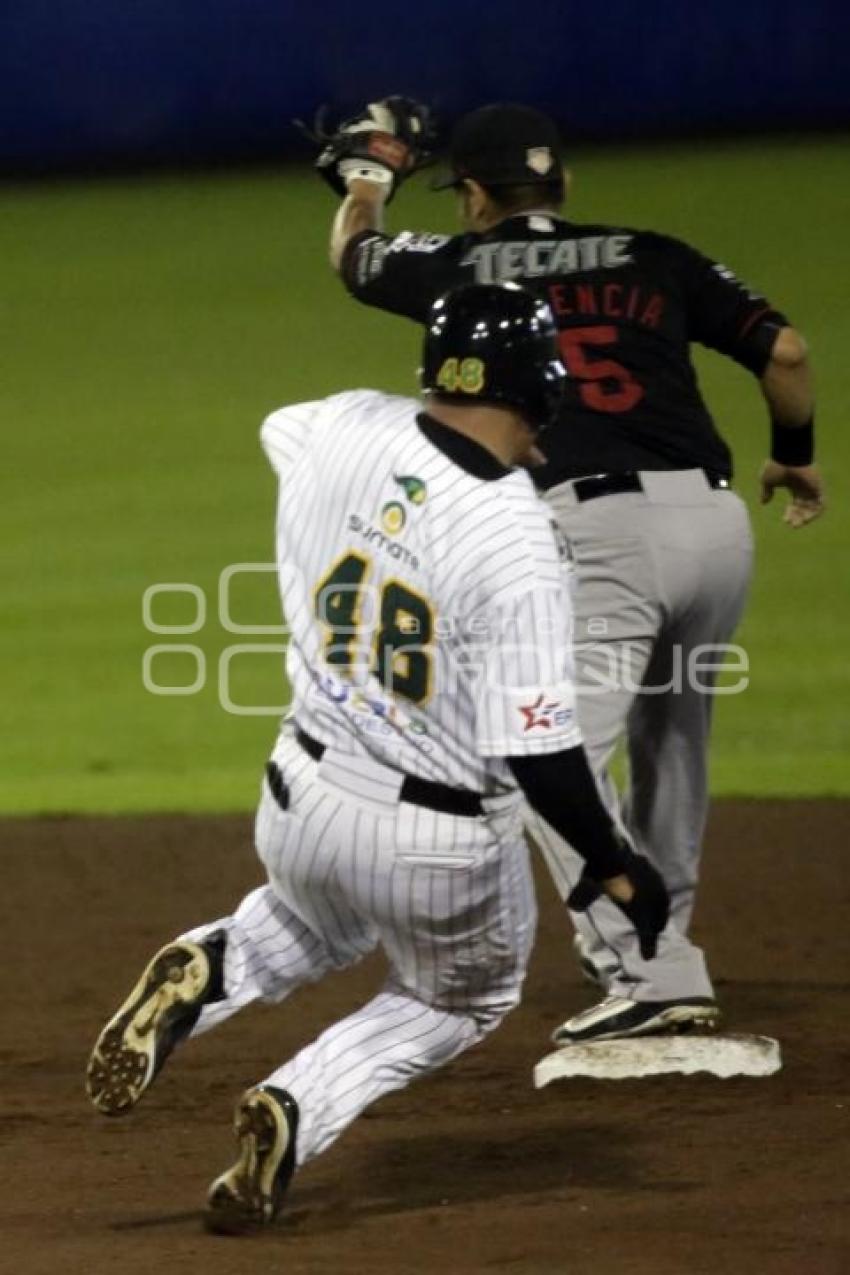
x=362 y=209
x=366 y=159
x=787 y=387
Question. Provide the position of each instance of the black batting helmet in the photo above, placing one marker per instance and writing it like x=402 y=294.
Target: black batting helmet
x=494 y=343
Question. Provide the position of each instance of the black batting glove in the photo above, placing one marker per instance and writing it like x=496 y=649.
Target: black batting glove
x=649 y=908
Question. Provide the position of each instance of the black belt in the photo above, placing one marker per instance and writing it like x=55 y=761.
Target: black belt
x=613 y=484
x=419 y=792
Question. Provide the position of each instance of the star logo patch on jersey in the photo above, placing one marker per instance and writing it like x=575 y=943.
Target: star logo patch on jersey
x=413 y=487
x=540 y=715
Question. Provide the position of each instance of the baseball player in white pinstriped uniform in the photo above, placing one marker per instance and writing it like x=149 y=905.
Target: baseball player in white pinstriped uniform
x=426 y=598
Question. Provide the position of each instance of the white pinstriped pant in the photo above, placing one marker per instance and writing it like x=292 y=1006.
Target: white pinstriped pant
x=449 y=899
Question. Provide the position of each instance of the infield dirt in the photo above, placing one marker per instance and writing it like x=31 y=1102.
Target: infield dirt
x=472 y=1170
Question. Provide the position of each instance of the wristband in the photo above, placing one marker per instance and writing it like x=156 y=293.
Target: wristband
x=792 y=445
x=365 y=170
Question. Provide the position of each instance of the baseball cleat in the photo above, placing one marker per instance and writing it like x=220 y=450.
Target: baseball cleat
x=617 y=1017
x=160 y=1011
x=249 y=1195
x=586 y=963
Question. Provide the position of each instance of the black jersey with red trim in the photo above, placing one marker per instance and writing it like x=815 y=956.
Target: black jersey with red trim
x=627 y=304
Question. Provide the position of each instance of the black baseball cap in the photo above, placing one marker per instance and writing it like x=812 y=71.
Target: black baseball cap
x=504 y=144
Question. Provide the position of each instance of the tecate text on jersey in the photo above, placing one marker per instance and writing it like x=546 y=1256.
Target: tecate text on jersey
x=531 y=258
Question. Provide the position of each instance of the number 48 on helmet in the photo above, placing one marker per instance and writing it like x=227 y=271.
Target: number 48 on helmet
x=494 y=343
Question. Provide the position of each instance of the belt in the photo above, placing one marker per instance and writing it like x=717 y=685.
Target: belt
x=419 y=792
x=613 y=484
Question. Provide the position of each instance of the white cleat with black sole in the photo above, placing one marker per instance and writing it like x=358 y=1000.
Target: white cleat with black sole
x=618 y=1017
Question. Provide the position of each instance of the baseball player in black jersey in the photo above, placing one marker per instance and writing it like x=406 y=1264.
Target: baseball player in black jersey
x=639 y=483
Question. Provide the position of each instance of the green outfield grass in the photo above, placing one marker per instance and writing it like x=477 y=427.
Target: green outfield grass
x=148 y=326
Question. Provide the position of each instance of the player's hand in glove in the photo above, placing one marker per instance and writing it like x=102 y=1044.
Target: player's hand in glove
x=638 y=891
x=384 y=145
x=805 y=484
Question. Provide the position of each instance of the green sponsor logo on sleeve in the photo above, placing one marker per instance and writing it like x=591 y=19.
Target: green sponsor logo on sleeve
x=413 y=487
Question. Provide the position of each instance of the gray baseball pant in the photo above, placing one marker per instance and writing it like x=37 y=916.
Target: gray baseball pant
x=661 y=577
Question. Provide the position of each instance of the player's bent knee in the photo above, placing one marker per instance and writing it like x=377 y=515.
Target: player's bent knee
x=488 y=1017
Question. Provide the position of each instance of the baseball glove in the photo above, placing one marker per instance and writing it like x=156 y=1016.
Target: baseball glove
x=384 y=144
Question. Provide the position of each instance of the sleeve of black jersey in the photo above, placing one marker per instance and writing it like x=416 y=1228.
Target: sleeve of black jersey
x=403 y=274
x=722 y=312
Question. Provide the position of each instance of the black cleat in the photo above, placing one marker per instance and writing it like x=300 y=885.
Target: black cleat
x=249 y=1195
x=160 y=1011
x=617 y=1017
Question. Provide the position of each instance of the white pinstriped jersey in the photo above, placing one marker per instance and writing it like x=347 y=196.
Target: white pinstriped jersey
x=428 y=608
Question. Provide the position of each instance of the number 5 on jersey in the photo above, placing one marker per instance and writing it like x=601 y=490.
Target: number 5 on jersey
x=400 y=656
x=604 y=385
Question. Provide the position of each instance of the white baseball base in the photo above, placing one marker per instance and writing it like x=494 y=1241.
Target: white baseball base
x=640 y=1056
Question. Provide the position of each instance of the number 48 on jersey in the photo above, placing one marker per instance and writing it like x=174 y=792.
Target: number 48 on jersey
x=400 y=654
